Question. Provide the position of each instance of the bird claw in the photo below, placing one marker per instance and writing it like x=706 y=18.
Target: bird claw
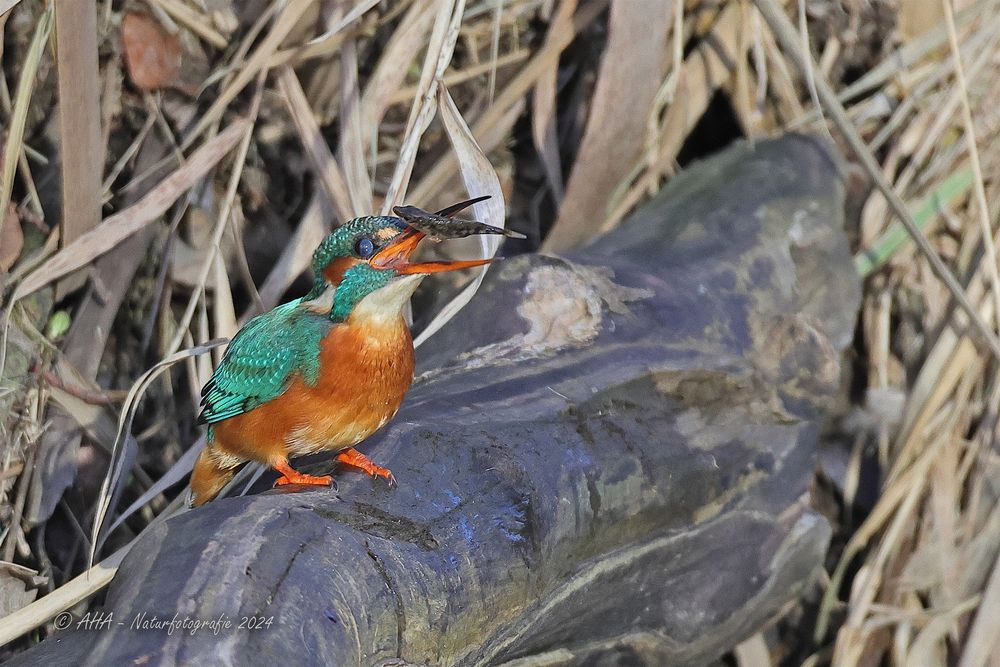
x=290 y=475
x=307 y=480
x=356 y=459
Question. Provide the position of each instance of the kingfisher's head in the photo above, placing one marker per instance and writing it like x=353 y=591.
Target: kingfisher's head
x=365 y=265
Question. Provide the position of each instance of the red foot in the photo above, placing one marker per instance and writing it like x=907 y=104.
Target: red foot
x=290 y=476
x=353 y=457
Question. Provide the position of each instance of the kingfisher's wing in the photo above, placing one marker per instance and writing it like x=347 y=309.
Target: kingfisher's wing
x=261 y=361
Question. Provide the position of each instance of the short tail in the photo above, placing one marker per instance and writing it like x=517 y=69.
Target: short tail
x=211 y=473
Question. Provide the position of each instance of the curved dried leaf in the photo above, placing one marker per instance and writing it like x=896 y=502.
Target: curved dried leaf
x=480 y=179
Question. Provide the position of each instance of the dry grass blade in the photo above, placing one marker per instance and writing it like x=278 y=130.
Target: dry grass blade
x=28 y=618
x=785 y=34
x=439 y=51
x=352 y=143
x=127 y=222
x=480 y=179
x=331 y=178
x=223 y=310
x=283 y=24
x=543 y=102
x=925 y=649
x=630 y=74
x=977 y=169
x=753 y=652
x=11 y=238
x=79 y=117
x=193 y=21
x=494 y=49
x=984 y=639
x=390 y=73
x=124 y=426
x=25 y=83
x=296 y=256
x=512 y=95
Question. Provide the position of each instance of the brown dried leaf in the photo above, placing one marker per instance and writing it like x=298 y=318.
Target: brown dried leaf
x=630 y=75
x=152 y=54
x=11 y=238
x=704 y=70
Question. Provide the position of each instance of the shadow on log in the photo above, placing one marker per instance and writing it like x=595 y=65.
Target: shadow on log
x=605 y=460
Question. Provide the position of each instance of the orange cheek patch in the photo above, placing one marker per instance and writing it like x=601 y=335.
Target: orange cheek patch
x=335 y=270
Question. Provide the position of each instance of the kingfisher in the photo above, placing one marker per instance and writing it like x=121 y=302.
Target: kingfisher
x=325 y=371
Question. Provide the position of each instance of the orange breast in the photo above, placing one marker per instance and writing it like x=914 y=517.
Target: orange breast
x=364 y=373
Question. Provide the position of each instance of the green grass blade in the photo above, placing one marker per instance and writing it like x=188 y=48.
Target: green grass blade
x=894 y=238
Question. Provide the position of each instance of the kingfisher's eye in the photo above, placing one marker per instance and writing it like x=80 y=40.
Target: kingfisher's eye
x=365 y=248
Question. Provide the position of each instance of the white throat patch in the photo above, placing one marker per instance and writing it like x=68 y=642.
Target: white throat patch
x=384 y=304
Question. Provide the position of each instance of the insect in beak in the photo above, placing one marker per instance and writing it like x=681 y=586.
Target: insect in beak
x=438 y=226
x=396 y=256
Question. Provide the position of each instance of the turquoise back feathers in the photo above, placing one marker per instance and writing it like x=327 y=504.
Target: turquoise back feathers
x=262 y=359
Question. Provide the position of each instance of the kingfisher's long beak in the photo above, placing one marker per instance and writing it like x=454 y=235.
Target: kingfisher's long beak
x=396 y=256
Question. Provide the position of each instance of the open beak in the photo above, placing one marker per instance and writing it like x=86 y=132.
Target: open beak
x=396 y=256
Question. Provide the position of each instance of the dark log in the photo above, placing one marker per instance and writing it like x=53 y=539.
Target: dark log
x=605 y=460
